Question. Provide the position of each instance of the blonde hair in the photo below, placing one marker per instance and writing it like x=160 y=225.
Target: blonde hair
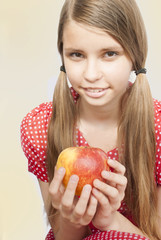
x=136 y=133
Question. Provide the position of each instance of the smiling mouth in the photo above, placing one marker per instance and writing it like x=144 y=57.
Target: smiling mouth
x=95 y=90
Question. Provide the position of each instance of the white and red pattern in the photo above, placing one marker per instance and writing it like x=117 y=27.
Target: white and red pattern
x=34 y=143
x=106 y=235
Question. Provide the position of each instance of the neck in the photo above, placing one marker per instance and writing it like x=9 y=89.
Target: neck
x=98 y=116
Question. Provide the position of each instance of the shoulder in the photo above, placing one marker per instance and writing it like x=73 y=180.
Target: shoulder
x=157 y=108
x=41 y=112
x=34 y=138
x=35 y=123
x=157 y=116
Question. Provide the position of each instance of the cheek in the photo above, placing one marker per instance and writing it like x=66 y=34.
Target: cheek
x=74 y=74
x=70 y=70
x=73 y=77
x=121 y=70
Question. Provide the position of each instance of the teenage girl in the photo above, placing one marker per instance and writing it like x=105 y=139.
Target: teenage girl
x=101 y=42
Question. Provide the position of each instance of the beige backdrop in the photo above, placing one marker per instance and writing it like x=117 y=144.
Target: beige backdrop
x=29 y=65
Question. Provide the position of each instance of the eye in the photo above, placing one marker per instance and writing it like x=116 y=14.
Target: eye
x=76 y=55
x=110 y=54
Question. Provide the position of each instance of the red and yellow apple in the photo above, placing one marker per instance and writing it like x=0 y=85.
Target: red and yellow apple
x=86 y=162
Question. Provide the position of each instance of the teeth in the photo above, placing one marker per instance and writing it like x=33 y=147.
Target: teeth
x=94 y=90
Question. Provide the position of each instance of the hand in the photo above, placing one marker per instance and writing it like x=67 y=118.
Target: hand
x=109 y=195
x=78 y=211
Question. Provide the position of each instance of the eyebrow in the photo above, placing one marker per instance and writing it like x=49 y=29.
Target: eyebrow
x=73 y=50
x=110 y=48
x=113 y=48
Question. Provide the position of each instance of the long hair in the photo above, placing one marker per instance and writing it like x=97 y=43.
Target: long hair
x=136 y=133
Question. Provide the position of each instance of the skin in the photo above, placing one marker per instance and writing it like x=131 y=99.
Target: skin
x=98 y=69
x=97 y=62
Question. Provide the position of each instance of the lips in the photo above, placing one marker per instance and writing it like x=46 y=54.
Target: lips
x=95 y=92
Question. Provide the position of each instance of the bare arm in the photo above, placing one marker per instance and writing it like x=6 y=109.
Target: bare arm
x=159 y=206
x=44 y=187
x=121 y=223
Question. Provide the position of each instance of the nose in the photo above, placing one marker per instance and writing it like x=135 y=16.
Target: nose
x=92 y=71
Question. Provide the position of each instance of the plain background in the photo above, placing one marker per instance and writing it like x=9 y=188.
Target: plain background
x=29 y=66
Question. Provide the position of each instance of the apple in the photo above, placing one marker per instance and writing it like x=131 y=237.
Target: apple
x=86 y=162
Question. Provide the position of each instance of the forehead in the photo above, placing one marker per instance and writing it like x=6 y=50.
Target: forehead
x=76 y=34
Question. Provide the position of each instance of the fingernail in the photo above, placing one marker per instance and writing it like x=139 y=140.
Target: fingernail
x=110 y=161
x=96 y=182
x=105 y=174
x=61 y=170
x=74 y=178
x=87 y=188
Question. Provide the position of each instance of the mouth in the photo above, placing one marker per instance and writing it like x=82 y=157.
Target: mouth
x=95 y=92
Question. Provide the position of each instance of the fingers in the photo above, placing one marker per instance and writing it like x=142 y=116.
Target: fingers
x=113 y=189
x=117 y=166
x=57 y=180
x=101 y=198
x=86 y=207
x=115 y=178
x=56 y=187
x=69 y=194
x=76 y=210
x=106 y=190
x=91 y=210
x=82 y=203
x=92 y=206
x=108 y=197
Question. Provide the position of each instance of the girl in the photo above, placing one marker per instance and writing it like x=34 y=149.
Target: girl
x=100 y=42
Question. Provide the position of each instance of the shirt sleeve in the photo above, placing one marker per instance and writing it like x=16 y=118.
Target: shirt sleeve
x=157 y=105
x=34 y=139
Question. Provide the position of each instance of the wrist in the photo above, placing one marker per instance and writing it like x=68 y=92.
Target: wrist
x=66 y=223
x=107 y=223
x=119 y=223
x=71 y=231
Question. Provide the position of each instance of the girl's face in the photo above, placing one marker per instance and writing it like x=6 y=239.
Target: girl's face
x=96 y=64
